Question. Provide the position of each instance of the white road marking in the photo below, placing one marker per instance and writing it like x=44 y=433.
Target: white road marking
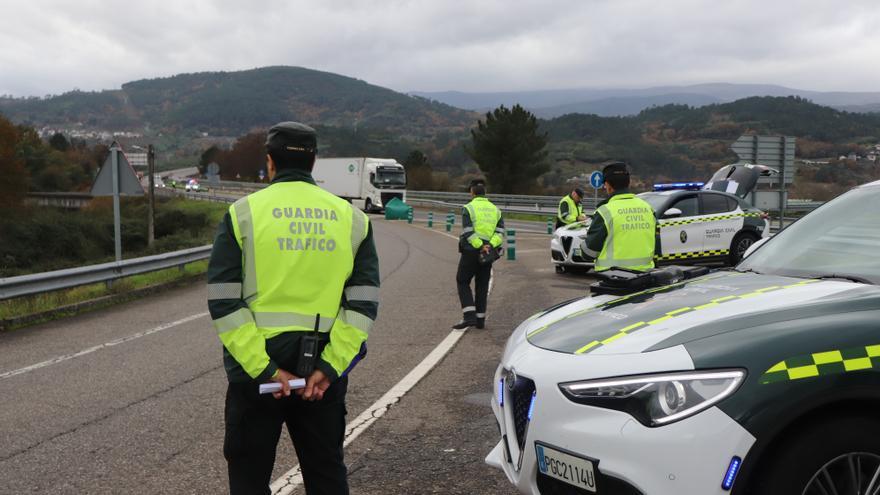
x=289 y=481
x=122 y=340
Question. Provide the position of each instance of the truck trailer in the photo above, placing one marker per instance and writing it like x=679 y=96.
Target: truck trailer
x=369 y=183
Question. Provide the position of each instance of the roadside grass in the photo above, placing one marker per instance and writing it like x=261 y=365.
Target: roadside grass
x=43 y=303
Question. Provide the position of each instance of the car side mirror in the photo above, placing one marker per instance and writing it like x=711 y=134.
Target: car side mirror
x=755 y=245
x=672 y=213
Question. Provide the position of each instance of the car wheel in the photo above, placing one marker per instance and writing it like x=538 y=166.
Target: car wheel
x=368 y=205
x=840 y=455
x=560 y=269
x=739 y=246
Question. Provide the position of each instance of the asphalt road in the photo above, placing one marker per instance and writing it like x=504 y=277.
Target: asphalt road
x=130 y=398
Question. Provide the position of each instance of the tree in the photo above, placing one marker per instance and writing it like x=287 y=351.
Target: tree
x=14 y=183
x=509 y=150
x=59 y=142
x=419 y=174
x=208 y=156
x=246 y=158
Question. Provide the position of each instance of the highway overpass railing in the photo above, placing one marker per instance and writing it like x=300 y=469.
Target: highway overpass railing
x=36 y=283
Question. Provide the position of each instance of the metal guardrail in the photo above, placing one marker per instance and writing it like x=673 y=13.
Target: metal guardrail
x=36 y=283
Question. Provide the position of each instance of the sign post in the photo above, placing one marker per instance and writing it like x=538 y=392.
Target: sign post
x=117 y=223
x=151 y=204
x=116 y=177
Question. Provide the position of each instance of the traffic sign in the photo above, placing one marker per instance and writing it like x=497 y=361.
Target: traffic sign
x=597 y=179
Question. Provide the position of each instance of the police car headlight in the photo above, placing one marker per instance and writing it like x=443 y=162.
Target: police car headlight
x=659 y=399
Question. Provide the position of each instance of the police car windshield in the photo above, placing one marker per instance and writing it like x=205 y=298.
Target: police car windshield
x=839 y=240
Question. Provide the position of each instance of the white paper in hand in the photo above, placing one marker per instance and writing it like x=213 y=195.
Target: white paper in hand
x=268 y=388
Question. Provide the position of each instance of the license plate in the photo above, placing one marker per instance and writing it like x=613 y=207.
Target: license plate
x=576 y=252
x=568 y=468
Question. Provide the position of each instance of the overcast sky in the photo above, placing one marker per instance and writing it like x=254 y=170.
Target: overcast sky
x=49 y=47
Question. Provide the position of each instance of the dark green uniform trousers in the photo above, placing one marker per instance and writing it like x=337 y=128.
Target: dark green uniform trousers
x=253 y=428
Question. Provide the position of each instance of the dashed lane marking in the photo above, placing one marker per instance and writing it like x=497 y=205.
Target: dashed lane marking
x=122 y=340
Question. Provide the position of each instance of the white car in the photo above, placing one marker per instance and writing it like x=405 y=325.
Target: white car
x=758 y=380
x=697 y=223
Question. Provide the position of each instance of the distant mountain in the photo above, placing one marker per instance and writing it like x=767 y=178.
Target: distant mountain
x=610 y=102
x=620 y=106
x=233 y=103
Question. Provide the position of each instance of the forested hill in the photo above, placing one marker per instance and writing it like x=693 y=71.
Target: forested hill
x=682 y=142
x=233 y=103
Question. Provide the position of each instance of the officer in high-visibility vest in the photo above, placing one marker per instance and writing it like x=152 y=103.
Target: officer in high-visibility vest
x=622 y=233
x=481 y=237
x=293 y=286
x=570 y=209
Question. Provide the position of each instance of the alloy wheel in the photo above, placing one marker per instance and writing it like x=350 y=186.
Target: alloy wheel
x=855 y=473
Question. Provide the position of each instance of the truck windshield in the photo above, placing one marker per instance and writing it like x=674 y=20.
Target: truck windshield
x=839 y=240
x=386 y=177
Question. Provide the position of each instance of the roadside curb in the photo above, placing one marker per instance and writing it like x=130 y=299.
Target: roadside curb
x=19 y=322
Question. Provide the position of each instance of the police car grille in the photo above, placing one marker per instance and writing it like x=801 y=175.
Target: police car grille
x=522 y=398
x=566 y=244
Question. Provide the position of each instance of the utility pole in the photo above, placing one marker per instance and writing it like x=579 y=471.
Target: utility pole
x=151 y=208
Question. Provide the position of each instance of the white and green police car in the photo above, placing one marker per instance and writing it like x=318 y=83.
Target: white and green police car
x=697 y=222
x=763 y=379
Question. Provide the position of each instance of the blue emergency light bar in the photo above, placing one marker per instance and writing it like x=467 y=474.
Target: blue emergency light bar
x=687 y=186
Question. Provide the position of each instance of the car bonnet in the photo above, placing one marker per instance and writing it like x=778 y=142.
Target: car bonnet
x=637 y=322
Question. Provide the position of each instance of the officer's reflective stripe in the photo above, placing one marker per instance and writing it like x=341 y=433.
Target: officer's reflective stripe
x=468 y=308
x=481 y=315
x=288 y=319
x=626 y=262
x=367 y=293
x=224 y=291
x=356 y=319
x=589 y=252
x=609 y=237
x=246 y=231
x=467 y=230
x=233 y=321
x=499 y=230
x=358 y=229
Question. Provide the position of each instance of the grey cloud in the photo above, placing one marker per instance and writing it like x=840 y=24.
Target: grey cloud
x=51 y=46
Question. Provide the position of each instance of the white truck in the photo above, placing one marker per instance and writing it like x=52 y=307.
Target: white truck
x=369 y=183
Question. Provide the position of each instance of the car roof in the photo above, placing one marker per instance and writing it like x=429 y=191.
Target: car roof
x=677 y=192
x=871 y=184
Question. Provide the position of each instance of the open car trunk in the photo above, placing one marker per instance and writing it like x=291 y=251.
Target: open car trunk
x=738 y=178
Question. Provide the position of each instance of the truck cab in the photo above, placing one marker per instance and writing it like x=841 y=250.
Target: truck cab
x=369 y=183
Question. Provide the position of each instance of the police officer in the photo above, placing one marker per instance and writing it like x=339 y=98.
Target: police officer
x=481 y=236
x=622 y=233
x=570 y=209
x=293 y=287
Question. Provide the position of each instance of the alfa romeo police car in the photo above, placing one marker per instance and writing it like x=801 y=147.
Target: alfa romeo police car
x=761 y=379
x=697 y=222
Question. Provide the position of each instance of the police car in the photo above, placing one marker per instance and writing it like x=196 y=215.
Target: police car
x=761 y=379
x=697 y=222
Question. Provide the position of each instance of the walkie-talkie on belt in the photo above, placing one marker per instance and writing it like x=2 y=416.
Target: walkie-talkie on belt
x=308 y=349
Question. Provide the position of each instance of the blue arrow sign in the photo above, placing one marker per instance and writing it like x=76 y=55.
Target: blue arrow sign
x=597 y=179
